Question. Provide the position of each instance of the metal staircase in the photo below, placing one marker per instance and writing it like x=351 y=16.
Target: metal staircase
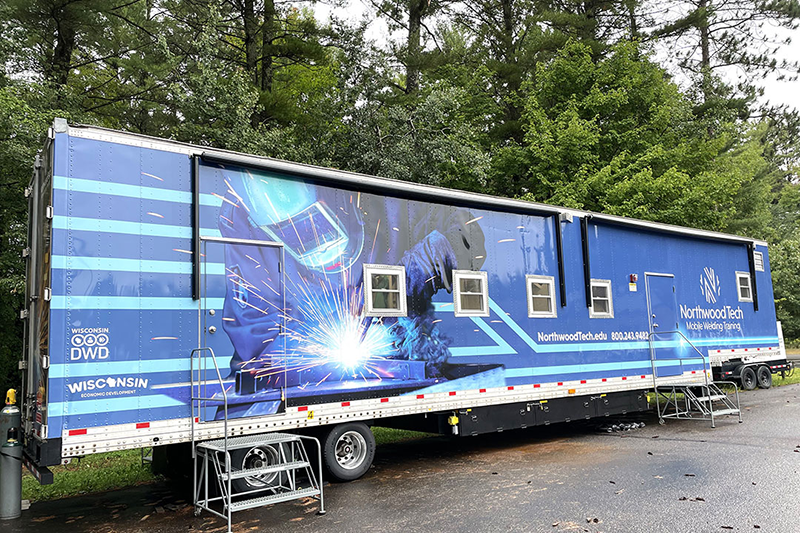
x=279 y=471
x=706 y=401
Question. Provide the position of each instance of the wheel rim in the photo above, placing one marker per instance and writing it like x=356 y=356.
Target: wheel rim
x=748 y=380
x=258 y=458
x=764 y=377
x=351 y=450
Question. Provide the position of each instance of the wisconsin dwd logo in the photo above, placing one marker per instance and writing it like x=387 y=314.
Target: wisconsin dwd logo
x=88 y=346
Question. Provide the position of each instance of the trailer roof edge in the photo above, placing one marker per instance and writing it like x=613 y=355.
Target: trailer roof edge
x=375 y=182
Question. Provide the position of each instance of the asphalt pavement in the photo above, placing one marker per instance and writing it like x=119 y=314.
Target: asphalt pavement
x=681 y=477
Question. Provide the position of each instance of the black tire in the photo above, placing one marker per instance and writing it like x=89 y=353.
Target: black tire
x=254 y=458
x=764 y=377
x=348 y=450
x=748 y=378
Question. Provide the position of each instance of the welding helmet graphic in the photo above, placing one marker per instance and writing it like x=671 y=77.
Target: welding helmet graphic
x=289 y=211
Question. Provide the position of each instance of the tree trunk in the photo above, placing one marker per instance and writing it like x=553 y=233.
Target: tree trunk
x=416 y=10
x=267 y=52
x=705 y=52
x=512 y=76
x=58 y=70
x=250 y=20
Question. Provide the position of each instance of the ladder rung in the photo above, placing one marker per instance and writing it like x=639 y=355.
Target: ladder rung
x=235 y=443
x=713 y=398
x=273 y=498
x=723 y=412
x=283 y=467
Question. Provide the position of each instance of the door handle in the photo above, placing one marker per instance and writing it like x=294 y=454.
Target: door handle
x=212 y=329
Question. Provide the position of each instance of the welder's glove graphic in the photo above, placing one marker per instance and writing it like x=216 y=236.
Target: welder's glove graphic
x=429 y=266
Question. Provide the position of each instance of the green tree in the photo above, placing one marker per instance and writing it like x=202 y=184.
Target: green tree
x=616 y=136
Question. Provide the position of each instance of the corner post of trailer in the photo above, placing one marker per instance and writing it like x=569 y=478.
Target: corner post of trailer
x=195 y=227
x=751 y=262
x=587 y=270
x=562 y=287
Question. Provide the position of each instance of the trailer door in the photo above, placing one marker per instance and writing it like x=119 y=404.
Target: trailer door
x=662 y=308
x=242 y=320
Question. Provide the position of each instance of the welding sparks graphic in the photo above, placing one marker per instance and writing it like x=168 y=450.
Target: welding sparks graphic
x=329 y=330
x=333 y=332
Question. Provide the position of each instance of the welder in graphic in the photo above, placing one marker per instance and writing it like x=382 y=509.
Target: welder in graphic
x=326 y=231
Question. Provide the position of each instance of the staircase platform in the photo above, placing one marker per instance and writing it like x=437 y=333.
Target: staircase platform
x=697 y=402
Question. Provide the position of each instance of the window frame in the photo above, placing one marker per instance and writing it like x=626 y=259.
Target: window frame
x=483 y=276
x=759 y=261
x=739 y=276
x=600 y=314
x=392 y=270
x=551 y=282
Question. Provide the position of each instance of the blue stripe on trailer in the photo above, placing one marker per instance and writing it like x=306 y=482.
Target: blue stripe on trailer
x=113 y=405
x=132 y=302
x=116 y=368
x=96 y=225
x=596 y=367
x=131 y=191
x=119 y=264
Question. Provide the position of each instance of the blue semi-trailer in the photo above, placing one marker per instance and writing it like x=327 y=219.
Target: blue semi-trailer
x=335 y=300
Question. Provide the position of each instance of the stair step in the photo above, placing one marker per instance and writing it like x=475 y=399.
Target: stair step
x=723 y=412
x=273 y=498
x=249 y=441
x=283 y=467
x=713 y=398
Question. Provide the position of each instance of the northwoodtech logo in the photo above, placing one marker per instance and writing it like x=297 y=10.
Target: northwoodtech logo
x=709 y=285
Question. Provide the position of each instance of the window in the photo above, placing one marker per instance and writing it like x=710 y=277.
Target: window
x=541 y=296
x=470 y=294
x=758 y=261
x=602 y=306
x=384 y=290
x=743 y=284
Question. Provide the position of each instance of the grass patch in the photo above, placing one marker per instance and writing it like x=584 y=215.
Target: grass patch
x=790 y=379
x=94 y=473
x=389 y=435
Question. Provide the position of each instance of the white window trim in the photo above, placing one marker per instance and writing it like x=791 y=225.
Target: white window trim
x=760 y=260
x=743 y=275
x=551 y=282
x=458 y=275
x=597 y=314
x=393 y=270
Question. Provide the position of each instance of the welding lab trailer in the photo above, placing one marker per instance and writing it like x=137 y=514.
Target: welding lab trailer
x=297 y=298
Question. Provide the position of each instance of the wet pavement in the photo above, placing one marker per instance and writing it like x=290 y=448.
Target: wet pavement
x=682 y=477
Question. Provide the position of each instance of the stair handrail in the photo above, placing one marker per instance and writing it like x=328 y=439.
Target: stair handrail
x=199 y=399
x=703 y=357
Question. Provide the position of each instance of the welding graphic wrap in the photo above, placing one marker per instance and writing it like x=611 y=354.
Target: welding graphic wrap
x=328 y=235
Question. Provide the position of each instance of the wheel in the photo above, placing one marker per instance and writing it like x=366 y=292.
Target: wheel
x=256 y=457
x=348 y=451
x=748 y=378
x=764 y=377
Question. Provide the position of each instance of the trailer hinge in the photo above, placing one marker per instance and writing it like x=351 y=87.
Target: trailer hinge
x=23 y=365
x=28 y=192
x=45 y=361
x=48 y=293
x=26 y=252
x=49 y=212
x=23 y=314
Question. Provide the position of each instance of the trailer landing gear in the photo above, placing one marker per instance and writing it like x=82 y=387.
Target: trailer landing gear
x=348 y=450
